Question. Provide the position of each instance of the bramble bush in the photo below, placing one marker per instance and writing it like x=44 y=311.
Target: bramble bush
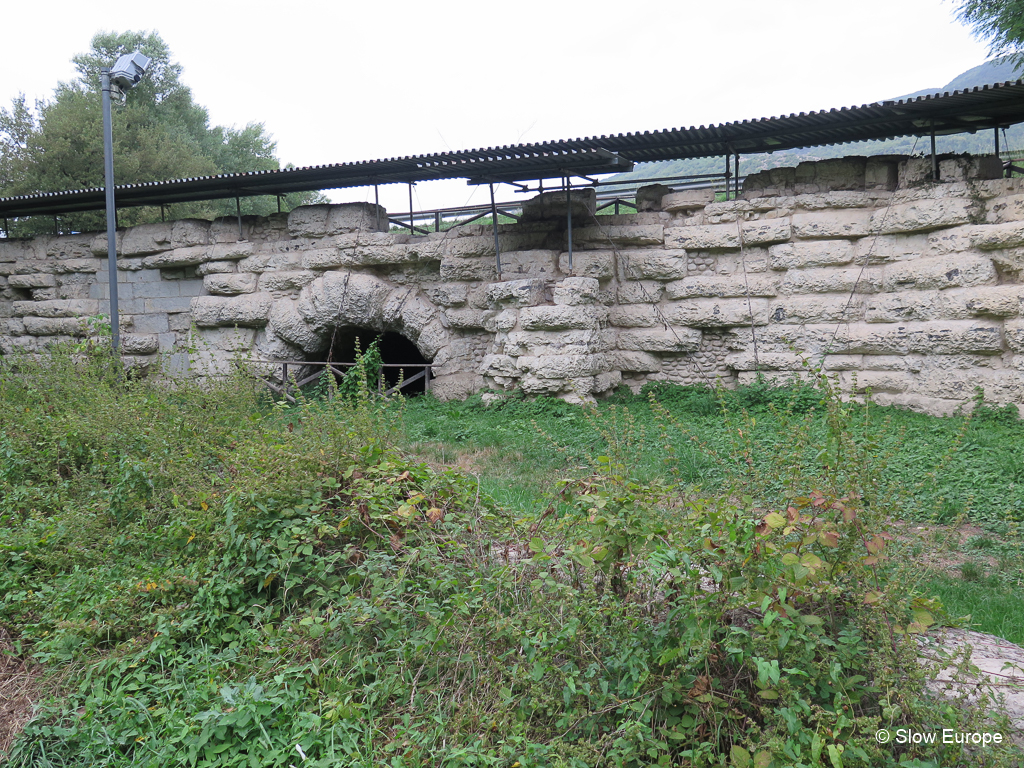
x=215 y=579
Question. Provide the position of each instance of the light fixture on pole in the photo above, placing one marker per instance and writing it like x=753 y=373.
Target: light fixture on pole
x=125 y=73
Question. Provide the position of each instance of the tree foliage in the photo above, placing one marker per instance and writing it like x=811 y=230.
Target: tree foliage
x=998 y=22
x=159 y=133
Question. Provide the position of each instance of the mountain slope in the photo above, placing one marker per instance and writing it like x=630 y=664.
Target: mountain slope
x=995 y=71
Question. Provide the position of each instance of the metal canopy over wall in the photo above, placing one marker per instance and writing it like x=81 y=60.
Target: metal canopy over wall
x=985 y=107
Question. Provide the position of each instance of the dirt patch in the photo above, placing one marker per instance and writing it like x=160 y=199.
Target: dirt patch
x=19 y=690
x=944 y=547
x=440 y=457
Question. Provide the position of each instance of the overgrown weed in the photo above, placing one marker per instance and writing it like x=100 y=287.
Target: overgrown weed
x=226 y=581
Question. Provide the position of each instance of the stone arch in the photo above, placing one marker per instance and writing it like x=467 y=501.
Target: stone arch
x=340 y=300
x=394 y=348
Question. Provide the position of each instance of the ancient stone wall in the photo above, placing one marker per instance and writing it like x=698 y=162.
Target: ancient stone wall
x=911 y=287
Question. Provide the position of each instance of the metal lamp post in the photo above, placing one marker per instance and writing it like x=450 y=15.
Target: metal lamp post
x=125 y=73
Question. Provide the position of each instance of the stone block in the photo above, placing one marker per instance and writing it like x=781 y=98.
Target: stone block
x=703 y=237
x=247 y=310
x=169 y=304
x=639 y=292
x=574 y=342
x=1014 y=330
x=529 y=264
x=186 y=233
x=822 y=308
x=447 y=294
x=71 y=266
x=923 y=215
x=687 y=200
x=939 y=272
x=649 y=198
x=831 y=224
x=810 y=253
x=57 y=308
x=286 y=322
x=859 y=279
x=992 y=236
x=471 y=269
x=233 y=284
x=766 y=231
x=318 y=220
x=258 y=262
x=229 y=339
x=456 y=386
x=563 y=366
x=610 y=236
x=499 y=366
x=285 y=280
x=723 y=286
x=179 y=257
x=660 y=340
x=717 y=313
x=635 y=316
x=561 y=317
x=553 y=205
x=229 y=251
x=155 y=323
x=162 y=290
x=652 y=264
x=190 y=288
x=143 y=240
x=139 y=344
x=342 y=297
x=36 y=280
x=467 y=319
x=140 y=276
x=596 y=264
x=634 y=362
x=880 y=173
x=881 y=249
x=576 y=291
x=55 y=326
x=516 y=293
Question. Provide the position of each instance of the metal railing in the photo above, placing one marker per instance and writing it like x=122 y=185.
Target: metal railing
x=618 y=196
x=290 y=383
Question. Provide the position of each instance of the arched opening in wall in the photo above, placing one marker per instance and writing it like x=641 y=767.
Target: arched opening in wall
x=402 y=360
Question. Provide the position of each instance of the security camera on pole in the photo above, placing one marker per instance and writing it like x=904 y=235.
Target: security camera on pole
x=125 y=73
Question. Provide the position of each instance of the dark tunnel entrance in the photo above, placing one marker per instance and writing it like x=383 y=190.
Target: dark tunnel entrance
x=402 y=360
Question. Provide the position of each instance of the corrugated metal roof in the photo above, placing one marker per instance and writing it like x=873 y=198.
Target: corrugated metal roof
x=989 y=106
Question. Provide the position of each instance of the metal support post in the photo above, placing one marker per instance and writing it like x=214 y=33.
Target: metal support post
x=568 y=217
x=727 y=174
x=935 y=160
x=497 y=245
x=7 y=228
x=163 y=213
x=736 y=178
x=238 y=211
x=376 y=204
x=56 y=225
x=437 y=221
x=412 y=221
x=108 y=180
x=995 y=133
x=278 y=203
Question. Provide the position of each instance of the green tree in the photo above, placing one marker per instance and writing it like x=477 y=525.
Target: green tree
x=998 y=22
x=159 y=133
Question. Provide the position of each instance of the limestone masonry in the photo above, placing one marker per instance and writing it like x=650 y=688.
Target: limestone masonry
x=910 y=287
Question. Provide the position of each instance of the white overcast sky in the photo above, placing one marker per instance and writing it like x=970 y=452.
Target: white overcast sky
x=343 y=80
